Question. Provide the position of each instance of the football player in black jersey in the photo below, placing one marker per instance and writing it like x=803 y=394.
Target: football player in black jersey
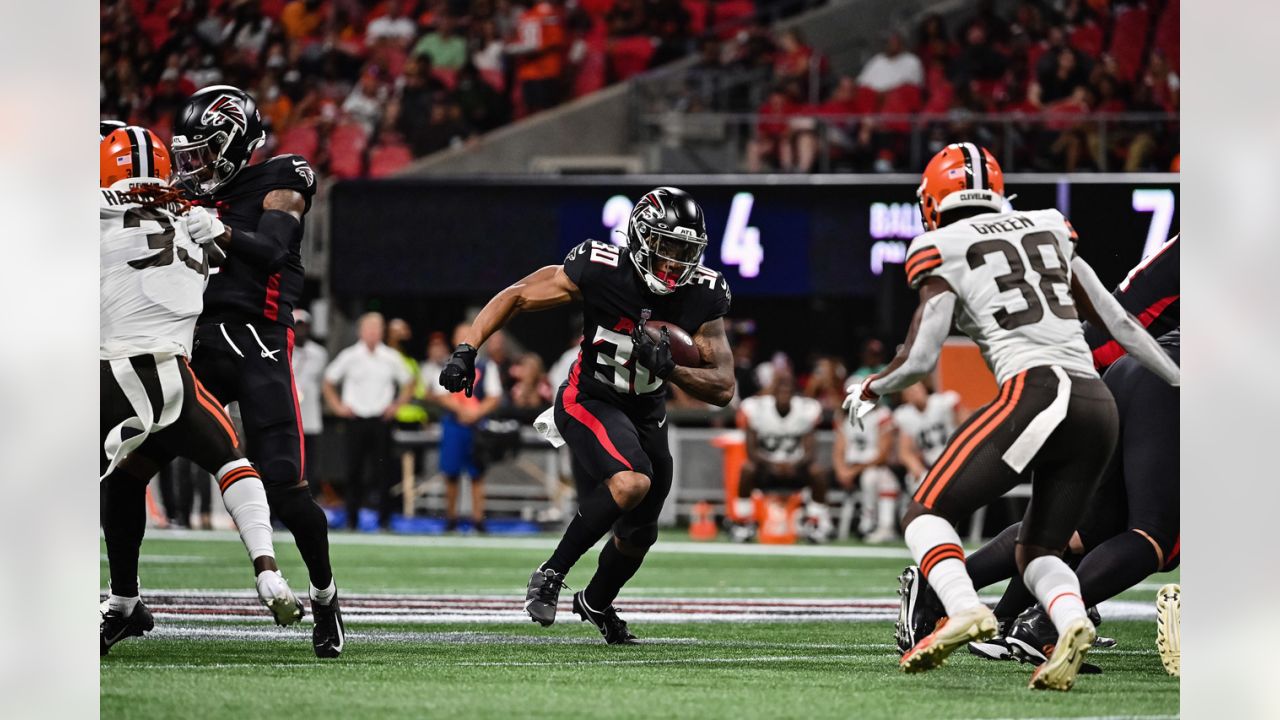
x=612 y=409
x=244 y=339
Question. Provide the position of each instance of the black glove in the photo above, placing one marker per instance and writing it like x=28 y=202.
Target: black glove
x=655 y=357
x=460 y=372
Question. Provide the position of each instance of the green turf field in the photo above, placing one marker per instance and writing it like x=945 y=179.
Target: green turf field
x=408 y=655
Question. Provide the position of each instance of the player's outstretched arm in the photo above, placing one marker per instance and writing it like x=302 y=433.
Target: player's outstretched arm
x=544 y=288
x=1101 y=307
x=919 y=354
x=267 y=248
x=715 y=382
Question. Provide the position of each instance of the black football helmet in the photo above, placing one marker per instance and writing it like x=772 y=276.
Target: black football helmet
x=666 y=228
x=214 y=136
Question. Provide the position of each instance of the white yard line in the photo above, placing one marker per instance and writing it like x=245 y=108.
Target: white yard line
x=540 y=543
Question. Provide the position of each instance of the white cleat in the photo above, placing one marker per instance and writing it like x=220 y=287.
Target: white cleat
x=1169 y=628
x=274 y=592
x=1060 y=670
x=972 y=625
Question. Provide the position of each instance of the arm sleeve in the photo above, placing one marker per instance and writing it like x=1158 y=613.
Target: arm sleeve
x=268 y=246
x=935 y=325
x=1121 y=325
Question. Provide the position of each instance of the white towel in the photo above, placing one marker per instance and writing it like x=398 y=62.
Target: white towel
x=546 y=427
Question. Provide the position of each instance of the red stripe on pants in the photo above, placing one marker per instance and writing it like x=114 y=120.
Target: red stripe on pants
x=584 y=416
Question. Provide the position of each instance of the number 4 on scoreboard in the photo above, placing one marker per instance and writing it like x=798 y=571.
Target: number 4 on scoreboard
x=741 y=244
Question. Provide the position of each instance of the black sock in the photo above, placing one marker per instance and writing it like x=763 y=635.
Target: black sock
x=614 y=570
x=123 y=506
x=1016 y=598
x=995 y=561
x=1115 y=566
x=298 y=510
x=596 y=514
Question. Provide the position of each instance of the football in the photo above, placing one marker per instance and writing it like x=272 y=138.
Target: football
x=683 y=351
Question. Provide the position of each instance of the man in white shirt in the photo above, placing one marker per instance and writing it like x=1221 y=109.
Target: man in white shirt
x=394 y=27
x=309 y=360
x=892 y=68
x=375 y=383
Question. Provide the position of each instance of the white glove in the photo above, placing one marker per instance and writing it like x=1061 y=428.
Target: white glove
x=202 y=225
x=855 y=406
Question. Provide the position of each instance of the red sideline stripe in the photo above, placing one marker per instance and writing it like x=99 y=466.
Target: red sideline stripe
x=297 y=411
x=1112 y=351
x=582 y=415
x=271 y=306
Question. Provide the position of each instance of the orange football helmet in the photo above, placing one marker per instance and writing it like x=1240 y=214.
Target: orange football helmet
x=960 y=175
x=132 y=152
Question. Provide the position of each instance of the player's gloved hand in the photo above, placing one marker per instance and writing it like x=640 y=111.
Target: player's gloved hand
x=654 y=356
x=460 y=372
x=202 y=225
x=857 y=404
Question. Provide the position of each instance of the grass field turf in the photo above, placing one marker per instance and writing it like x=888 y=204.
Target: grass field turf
x=492 y=670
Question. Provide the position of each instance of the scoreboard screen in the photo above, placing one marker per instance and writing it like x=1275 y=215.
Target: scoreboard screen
x=828 y=235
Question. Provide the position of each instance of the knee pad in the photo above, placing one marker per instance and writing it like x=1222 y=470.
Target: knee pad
x=280 y=474
x=641 y=538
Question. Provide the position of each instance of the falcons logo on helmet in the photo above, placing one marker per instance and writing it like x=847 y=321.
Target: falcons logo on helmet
x=225 y=109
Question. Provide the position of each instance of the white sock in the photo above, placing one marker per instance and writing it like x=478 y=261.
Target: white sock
x=246 y=501
x=122 y=605
x=818 y=510
x=887 y=511
x=324 y=596
x=935 y=545
x=1057 y=588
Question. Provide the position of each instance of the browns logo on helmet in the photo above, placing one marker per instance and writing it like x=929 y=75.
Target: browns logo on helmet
x=961 y=175
x=132 y=152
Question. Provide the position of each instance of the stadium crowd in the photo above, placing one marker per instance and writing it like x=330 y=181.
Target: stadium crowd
x=1059 y=59
x=361 y=87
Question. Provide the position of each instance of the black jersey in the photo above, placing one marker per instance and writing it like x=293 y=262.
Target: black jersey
x=613 y=298
x=241 y=291
x=1150 y=293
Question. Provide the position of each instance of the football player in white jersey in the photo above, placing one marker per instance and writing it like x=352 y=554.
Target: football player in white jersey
x=860 y=460
x=781 y=429
x=925 y=420
x=152 y=408
x=1012 y=282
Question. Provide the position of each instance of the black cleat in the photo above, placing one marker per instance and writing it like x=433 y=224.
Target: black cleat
x=919 y=609
x=1096 y=618
x=116 y=626
x=1032 y=638
x=329 y=632
x=997 y=648
x=542 y=595
x=613 y=628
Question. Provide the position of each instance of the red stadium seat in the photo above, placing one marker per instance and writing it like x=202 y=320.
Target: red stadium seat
x=905 y=99
x=494 y=78
x=346 y=150
x=273 y=8
x=629 y=56
x=1167 y=38
x=446 y=76
x=729 y=16
x=941 y=95
x=1087 y=38
x=865 y=100
x=596 y=8
x=299 y=140
x=592 y=71
x=698 y=15
x=386 y=159
x=1129 y=41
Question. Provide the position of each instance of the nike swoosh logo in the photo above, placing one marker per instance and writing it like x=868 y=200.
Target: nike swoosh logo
x=663 y=421
x=298 y=162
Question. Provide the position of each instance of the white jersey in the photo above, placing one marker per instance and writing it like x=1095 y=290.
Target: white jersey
x=861 y=446
x=1012 y=274
x=152 y=280
x=781 y=436
x=931 y=427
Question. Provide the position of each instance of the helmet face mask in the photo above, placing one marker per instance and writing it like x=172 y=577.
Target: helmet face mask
x=214 y=138
x=666 y=229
